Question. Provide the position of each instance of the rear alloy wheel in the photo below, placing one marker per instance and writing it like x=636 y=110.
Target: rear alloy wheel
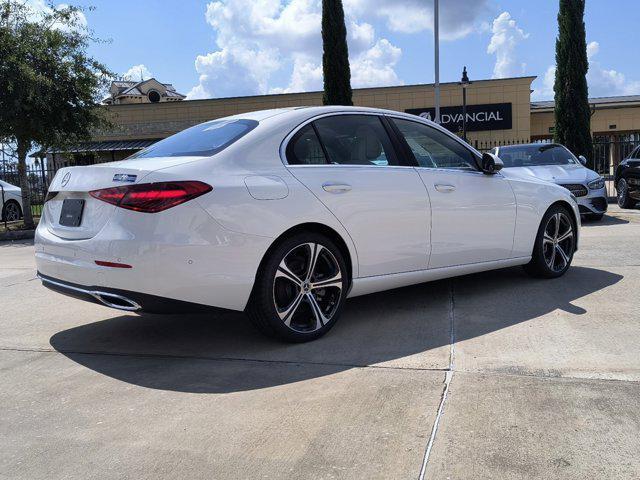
x=11 y=212
x=301 y=290
x=624 y=200
x=555 y=244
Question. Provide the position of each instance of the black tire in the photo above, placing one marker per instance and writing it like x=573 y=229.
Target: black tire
x=543 y=262
x=11 y=207
x=624 y=200
x=320 y=296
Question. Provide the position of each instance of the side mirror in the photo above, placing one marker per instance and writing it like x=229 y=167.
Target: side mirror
x=491 y=163
x=583 y=160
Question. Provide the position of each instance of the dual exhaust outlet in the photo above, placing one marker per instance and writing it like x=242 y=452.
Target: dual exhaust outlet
x=112 y=300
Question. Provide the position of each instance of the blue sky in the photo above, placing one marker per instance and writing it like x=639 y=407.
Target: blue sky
x=244 y=47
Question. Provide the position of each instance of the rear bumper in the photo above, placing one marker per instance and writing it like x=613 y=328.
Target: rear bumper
x=180 y=255
x=121 y=299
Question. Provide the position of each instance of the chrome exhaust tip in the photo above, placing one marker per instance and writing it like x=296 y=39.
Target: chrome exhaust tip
x=111 y=300
x=116 y=301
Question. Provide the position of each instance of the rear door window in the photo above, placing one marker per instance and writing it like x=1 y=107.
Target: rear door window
x=356 y=140
x=203 y=140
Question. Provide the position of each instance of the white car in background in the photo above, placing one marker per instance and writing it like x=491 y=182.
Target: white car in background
x=286 y=213
x=555 y=163
x=12 y=205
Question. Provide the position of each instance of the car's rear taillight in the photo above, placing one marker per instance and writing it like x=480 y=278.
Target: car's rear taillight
x=152 y=197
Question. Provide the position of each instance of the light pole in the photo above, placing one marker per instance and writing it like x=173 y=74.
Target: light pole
x=464 y=82
x=436 y=43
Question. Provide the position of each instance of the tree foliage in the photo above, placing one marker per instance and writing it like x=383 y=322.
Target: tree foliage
x=335 y=56
x=572 y=112
x=49 y=85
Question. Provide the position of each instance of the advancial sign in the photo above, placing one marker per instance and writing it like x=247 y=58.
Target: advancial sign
x=493 y=116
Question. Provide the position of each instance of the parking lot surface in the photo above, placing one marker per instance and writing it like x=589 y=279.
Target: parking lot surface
x=542 y=380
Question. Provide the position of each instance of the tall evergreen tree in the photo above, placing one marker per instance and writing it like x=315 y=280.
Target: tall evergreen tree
x=572 y=112
x=49 y=85
x=335 y=56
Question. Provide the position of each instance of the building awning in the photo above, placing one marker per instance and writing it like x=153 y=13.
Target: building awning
x=105 y=146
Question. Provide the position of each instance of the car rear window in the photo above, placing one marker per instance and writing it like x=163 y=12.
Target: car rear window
x=203 y=140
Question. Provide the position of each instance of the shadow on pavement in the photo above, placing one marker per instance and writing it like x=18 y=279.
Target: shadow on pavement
x=606 y=220
x=396 y=325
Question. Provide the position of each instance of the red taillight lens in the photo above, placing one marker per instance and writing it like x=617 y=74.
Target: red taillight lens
x=152 y=197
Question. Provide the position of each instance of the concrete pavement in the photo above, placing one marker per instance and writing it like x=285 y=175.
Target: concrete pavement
x=543 y=381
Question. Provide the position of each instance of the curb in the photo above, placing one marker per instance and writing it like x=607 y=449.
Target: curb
x=17 y=235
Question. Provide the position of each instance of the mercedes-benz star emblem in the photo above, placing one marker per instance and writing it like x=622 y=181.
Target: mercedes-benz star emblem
x=66 y=178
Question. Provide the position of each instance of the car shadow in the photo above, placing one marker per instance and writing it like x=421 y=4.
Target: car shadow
x=174 y=352
x=606 y=220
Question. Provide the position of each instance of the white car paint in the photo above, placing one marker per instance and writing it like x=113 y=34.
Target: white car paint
x=397 y=227
x=11 y=194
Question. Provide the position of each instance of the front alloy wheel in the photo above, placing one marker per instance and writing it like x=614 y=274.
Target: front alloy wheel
x=557 y=242
x=624 y=200
x=554 y=245
x=300 y=291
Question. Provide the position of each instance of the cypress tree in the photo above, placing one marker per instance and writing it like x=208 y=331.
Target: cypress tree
x=572 y=112
x=335 y=55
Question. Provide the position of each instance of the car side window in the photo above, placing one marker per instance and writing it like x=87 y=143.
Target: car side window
x=305 y=148
x=433 y=148
x=356 y=140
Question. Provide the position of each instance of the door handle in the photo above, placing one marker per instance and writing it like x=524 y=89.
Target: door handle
x=336 y=187
x=444 y=188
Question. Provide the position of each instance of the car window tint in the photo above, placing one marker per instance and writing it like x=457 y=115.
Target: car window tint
x=305 y=148
x=356 y=140
x=202 y=140
x=435 y=149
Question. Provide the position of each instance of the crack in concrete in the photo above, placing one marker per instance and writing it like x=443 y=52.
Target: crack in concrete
x=448 y=376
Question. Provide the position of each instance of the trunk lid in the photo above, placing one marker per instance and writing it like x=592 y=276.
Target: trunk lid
x=77 y=182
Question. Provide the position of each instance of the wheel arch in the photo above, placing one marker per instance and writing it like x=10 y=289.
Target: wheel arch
x=317 y=228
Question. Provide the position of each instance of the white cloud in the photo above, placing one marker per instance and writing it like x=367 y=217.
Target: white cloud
x=592 y=49
x=506 y=35
x=605 y=82
x=40 y=8
x=375 y=66
x=137 y=73
x=602 y=82
x=545 y=90
x=458 y=18
x=260 y=42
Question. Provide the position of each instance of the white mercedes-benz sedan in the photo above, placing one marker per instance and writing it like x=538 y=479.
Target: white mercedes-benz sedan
x=555 y=163
x=286 y=213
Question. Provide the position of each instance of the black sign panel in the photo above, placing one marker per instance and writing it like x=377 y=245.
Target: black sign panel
x=493 y=116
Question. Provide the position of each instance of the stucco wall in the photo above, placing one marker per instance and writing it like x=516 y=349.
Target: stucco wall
x=141 y=121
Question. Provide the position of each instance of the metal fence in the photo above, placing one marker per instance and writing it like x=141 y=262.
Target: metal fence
x=38 y=179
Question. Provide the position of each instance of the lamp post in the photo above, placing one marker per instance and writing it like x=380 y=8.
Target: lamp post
x=464 y=82
x=436 y=56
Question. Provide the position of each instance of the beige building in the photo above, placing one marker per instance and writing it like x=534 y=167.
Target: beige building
x=499 y=111
x=609 y=116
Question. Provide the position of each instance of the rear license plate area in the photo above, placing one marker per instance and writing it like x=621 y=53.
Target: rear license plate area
x=71 y=214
